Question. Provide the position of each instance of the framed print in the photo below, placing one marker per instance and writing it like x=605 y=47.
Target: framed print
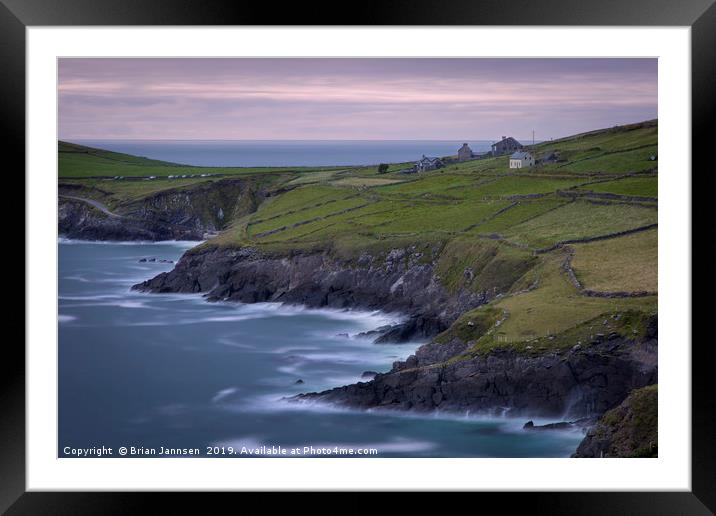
x=290 y=254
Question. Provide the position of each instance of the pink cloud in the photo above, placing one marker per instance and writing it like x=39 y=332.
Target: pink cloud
x=348 y=98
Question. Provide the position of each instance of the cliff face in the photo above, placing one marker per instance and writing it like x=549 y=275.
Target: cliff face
x=629 y=430
x=584 y=380
x=399 y=281
x=79 y=220
x=186 y=213
x=206 y=207
x=568 y=384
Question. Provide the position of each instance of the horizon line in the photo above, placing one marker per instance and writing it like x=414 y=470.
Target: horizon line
x=289 y=140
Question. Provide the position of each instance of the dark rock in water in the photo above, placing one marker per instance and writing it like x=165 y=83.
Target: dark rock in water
x=374 y=333
x=166 y=261
x=152 y=260
x=585 y=422
x=562 y=425
x=344 y=335
x=299 y=382
x=369 y=374
x=416 y=325
x=142 y=260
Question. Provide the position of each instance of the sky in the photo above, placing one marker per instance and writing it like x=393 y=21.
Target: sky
x=350 y=98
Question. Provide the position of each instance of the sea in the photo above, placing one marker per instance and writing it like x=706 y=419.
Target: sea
x=285 y=153
x=153 y=372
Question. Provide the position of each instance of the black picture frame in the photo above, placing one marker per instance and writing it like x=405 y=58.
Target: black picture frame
x=700 y=15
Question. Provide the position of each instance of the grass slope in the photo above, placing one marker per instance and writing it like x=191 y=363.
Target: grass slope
x=479 y=221
x=625 y=263
x=78 y=161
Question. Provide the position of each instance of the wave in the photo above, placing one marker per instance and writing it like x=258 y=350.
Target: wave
x=237 y=312
x=367 y=319
x=229 y=342
x=224 y=393
x=177 y=243
x=107 y=300
x=96 y=297
x=61 y=318
x=81 y=279
x=505 y=422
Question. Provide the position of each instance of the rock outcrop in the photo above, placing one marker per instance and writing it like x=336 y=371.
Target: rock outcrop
x=629 y=430
x=573 y=383
x=79 y=220
x=570 y=382
x=184 y=213
x=398 y=281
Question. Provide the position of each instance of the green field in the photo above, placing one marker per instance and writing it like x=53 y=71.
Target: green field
x=78 y=161
x=580 y=219
x=636 y=160
x=519 y=212
x=625 y=263
x=645 y=186
x=553 y=315
x=556 y=306
x=480 y=222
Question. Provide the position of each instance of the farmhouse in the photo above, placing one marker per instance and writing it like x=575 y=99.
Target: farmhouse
x=521 y=159
x=428 y=163
x=464 y=153
x=506 y=146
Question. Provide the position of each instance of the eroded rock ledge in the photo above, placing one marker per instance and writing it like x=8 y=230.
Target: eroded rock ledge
x=400 y=281
x=182 y=213
x=629 y=430
x=573 y=383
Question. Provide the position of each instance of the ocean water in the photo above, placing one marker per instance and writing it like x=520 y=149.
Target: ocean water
x=174 y=371
x=284 y=153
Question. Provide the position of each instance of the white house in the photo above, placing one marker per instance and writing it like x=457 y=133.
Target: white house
x=521 y=159
x=428 y=163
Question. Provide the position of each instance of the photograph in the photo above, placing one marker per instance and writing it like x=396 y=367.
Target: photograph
x=423 y=249
x=357 y=257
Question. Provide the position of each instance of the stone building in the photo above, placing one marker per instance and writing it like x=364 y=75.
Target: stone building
x=464 y=153
x=507 y=145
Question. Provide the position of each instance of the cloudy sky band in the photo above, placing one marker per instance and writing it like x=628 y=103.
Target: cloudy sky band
x=350 y=98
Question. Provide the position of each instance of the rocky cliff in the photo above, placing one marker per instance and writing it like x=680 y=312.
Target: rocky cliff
x=628 y=430
x=186 y=213
x=400 y=280
x=578 y=378
x=577 y=382
x=79 y=220
x=569 y=382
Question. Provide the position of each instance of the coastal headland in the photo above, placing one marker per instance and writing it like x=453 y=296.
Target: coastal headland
x=535 y=289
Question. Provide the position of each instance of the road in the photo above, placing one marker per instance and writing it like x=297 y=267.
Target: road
x=96 y=204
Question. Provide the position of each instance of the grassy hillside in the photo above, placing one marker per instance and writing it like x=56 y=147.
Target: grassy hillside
x=490 y=228
x=78 y=161
x=534 y=208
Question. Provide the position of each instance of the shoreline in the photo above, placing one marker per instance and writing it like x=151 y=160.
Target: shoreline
x=513 y=424
x=474 y=254
x=179 y=243
x=351 y=313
